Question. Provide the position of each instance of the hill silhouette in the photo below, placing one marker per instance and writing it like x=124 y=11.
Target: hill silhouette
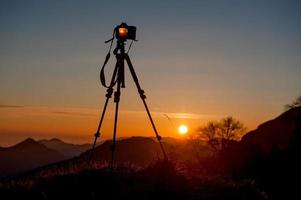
x=277 y=132
x=26 y=155
x=270 y=155
x=67 y=149
x=138 y=150
x=141 y=151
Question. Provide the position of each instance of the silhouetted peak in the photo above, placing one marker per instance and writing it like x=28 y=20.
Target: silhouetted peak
x=53 y=141
x=67 y=149
x=56 y=140
x=28 y=141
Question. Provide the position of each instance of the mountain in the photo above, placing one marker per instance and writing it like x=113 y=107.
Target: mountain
x=143 y=150
x=271 y=155
x=275 y=133
x=138 y=150
x=66 y=149
x=26 y=155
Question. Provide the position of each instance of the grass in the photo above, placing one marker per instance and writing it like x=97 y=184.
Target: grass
x=160 y=179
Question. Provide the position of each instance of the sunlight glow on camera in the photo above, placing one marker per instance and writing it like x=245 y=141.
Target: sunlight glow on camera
x=122 y=32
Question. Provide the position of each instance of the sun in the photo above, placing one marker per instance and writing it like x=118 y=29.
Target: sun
x=183 y=129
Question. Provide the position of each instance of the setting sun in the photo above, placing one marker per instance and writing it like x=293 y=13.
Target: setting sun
x=183 y=129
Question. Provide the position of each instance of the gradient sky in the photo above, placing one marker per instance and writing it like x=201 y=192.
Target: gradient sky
x=196 y=60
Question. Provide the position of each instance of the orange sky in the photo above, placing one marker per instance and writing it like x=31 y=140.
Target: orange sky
x=78 y=125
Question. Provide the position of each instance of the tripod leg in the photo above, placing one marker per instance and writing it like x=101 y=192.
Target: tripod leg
x=143 y=97
x=108 y=95
x=116 y=100
x=97 y=134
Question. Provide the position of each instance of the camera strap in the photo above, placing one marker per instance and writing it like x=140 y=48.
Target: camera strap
x=102 y=72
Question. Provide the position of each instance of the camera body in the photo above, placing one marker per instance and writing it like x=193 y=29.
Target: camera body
x=125 y=32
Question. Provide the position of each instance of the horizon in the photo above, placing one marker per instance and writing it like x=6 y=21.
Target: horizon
x=80 y=141
x=196 y=61
x=100 y=141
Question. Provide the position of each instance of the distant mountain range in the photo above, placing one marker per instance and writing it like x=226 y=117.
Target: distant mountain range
x=26 y=155
x=30 y=154
x=67 y=149
x=141 y=151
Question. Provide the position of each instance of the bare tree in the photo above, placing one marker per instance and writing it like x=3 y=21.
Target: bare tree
x=295 y=104
x=230 y=129
x=210 y=133
x=219 y=134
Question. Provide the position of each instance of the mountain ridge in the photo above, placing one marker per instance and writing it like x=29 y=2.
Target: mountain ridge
x=25 y=155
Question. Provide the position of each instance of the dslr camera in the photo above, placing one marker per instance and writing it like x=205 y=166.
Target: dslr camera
x=125 y=32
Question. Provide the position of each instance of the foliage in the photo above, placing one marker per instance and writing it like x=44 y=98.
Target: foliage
x=219 y=134
x=294 y=104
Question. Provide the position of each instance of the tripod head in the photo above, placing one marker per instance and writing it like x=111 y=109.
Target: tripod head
x=119 y=46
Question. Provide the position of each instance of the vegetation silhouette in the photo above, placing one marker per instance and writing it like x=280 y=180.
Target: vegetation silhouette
x=294 y=104
x=220 y=134
x=158 y=180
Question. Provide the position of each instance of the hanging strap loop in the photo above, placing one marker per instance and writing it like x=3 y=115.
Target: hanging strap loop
x=102 y=72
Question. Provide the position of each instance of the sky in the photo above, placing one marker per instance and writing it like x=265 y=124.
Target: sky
x=196 y=60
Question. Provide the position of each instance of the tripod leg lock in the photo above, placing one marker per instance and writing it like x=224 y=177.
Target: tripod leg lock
x=109 y=92
x=97 y=135
x=142 y=95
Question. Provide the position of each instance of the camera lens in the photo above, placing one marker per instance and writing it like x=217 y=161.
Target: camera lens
x=122 y=32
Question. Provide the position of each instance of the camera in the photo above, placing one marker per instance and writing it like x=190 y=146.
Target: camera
x=125 y=32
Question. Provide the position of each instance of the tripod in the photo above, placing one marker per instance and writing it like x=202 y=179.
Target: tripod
x=118 y=79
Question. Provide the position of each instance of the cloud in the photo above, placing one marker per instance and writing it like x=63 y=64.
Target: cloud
x=93 y=112
x=183 y=115
x=11 y=106
x=170 y=115
x=85 y=112
x=72 y=113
